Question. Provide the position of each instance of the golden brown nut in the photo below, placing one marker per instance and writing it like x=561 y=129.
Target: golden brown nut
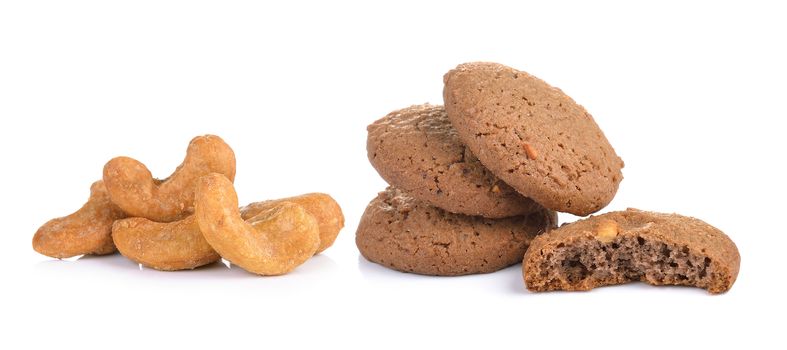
x=87 y=231
x=530 y=151
x=273 y=242
x=607 y=230
x=177 y=245
x=320 y=205
x=133 y=188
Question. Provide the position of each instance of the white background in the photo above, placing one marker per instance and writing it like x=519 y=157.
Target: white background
x=692 y=96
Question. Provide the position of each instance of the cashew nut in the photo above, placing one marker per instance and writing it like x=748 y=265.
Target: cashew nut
x=132 y=187
x=86 y=231
x=320 y=205
x=177 y=245
x=273 y=242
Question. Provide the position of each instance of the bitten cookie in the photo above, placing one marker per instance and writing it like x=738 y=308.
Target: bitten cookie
x=417 y=150
x=632 y=245
x=532 y=136
x=404 y=234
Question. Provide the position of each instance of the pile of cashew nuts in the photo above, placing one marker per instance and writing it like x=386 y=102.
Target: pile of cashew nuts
x=191 y=218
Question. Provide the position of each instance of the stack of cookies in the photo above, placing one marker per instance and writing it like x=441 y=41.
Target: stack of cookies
x=475 y=184
x=474 y=181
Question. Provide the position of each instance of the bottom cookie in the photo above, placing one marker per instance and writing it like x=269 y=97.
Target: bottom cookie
x=404 y=234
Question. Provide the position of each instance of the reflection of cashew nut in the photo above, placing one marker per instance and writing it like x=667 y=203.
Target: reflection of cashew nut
x=87 y=231
x=320 y=205
x=273 y=242
x=133 y=189
x=169 y=246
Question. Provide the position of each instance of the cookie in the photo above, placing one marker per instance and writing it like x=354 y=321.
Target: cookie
x=402 y=233
x=417 y=150
x=632 y=245
x=533 y=137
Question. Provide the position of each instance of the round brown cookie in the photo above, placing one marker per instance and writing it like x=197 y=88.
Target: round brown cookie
x=404 y=234
x=417 y=150
x=632 y=245
x=532 y=136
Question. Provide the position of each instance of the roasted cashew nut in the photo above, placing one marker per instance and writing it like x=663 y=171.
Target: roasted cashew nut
x=132 y=187
x=320 y=205
x=273 y=242
x=172 y=246
x=86 y=231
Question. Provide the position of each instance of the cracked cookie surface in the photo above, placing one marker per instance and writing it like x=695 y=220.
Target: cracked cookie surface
x=402 y=233
x=417 y=150
x=532 y=136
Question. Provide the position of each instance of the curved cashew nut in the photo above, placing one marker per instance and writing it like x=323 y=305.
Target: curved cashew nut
x=169 y=246
x=132 y=187
x=273 y=242
x=86 y=231
x=320 y=205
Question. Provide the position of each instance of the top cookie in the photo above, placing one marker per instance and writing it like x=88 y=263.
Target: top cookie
x=417 y=150
x=532 y=136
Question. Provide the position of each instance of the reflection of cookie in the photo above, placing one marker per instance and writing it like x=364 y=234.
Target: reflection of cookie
x=632 y=245
x=533 y=137
x=417 y=150
x=399 y=232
